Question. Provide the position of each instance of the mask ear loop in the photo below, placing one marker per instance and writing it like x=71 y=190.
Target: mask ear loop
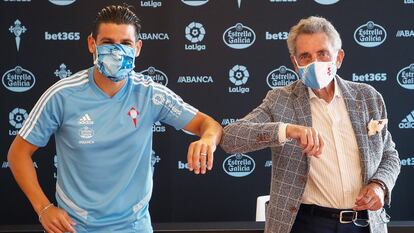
x=95 y=55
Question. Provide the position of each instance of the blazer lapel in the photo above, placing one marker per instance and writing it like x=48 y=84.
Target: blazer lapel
x=357 y=110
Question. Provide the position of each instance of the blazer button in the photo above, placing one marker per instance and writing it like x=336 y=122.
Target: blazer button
x=293 y=209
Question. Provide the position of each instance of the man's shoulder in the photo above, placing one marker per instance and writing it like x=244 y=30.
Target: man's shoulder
x=285 y=91
x=366 y=90
x=145 y=84
x=68 y=85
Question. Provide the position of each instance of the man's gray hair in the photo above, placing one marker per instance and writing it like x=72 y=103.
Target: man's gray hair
x=311 y=25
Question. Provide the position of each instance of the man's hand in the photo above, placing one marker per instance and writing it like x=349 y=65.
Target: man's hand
x=371 y=197
x=310 y=140
x=201 y=153
x=56 y=220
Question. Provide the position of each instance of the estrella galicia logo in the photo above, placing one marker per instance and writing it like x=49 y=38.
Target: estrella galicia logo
x=195 y=32
x=239 y=75
x=405 y=77
x=195 y=2
x=17 y=117
x=239 y=165
x=156 y=75
x=18 y=29
x=370 y=34
x=62 y=2
x=63 y=72
x=326 y=2
x=280 y=77
x=239 y=36
x=408 y=121
x=18 y=79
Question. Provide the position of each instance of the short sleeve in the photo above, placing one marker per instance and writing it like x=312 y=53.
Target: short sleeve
x=170 y=108
x=43 y=120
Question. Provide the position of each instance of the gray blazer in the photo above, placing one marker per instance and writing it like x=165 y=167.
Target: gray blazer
x=290 y=104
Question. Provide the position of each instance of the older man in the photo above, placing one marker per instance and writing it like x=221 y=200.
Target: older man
x=334 y=162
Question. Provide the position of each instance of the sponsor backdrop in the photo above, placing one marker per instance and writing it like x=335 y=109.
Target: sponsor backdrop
x=220 y=56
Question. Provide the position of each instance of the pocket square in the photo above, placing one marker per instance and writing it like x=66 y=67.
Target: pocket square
x=375 y=126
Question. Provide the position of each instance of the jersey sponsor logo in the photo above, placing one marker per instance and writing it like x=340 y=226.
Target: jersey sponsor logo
x=17 y=117
x=195 y=32
x=405 y=77
x=239 y=36
x=326 y=2
x=133 y=113
x=151 y=3
x=195 y=79
x=86 y=132
x=154 y=36
x=158 y=99
x=408 y=121
x=18 y=79
x=280 y=77
x=369 y=77
x=157 y=127
x=194 y=2
x=406 y=33
x=156 y=75
x=239 y=165
x=17 y=30
x=62 y=72
x=276 y=35
x=62 y=36
x=62 y=2
x=370 y=34
x=239 y=75
x=228 y=121
x=85 y=120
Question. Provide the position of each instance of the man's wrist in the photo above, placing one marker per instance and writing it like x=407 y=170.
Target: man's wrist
x=381 y=185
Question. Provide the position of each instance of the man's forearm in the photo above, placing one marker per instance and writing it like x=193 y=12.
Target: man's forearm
x=211 y=129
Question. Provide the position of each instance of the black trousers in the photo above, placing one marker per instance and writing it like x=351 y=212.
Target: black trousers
x=306 y=222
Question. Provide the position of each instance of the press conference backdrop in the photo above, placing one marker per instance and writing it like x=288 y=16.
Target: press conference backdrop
x=220 y=56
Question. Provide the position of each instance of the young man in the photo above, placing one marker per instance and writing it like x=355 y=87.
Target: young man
x=349 y=171
x=102 y=120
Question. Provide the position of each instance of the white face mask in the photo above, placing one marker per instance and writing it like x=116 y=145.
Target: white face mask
x=317 y=74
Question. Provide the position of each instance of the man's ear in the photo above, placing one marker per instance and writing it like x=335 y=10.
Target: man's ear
x=138 y=47
x=91 y=44
x=340 y=58
x=292 y=59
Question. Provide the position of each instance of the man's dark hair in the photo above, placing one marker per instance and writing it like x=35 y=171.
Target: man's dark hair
x=118 y=14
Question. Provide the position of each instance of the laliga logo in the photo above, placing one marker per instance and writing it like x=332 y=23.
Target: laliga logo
x=326 y=2
x=370 y=35
x=280 y=77
x=62 y=72
x=62 y=2
x=195 y=32
x=194 y=2
x=17 y=30
x=17 y=117
x=156 y=75
x=239 y=36
x=239 y=165
x=18 y=79
x=405 y=77
x=239 y=75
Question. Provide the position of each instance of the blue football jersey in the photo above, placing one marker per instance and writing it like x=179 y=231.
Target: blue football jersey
x=104 y=147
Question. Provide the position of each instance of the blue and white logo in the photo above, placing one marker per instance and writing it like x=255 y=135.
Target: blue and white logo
x=326 y=2
x=407 y=161
x=405 y=33
x=370 y=35
x=239 y=165
x=239 y=75
x=62 y=2
x=239 y=3
x=195 y=79
x=18 y=29
x=18 y=79
x=155 y=159
x=369 y=77
x=62 y=72
x=276 y=36
x=62 y=36
x=17 y=117
x=405 y=77
x=228 y=121
x=152 y=36
x=408 y=121
x=239 y=36
x=281 y=77
x=156 y=75
x=195 y=32
x=151 y=3
x=195 y=2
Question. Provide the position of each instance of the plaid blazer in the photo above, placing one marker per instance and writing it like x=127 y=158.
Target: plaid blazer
x=290 y=104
